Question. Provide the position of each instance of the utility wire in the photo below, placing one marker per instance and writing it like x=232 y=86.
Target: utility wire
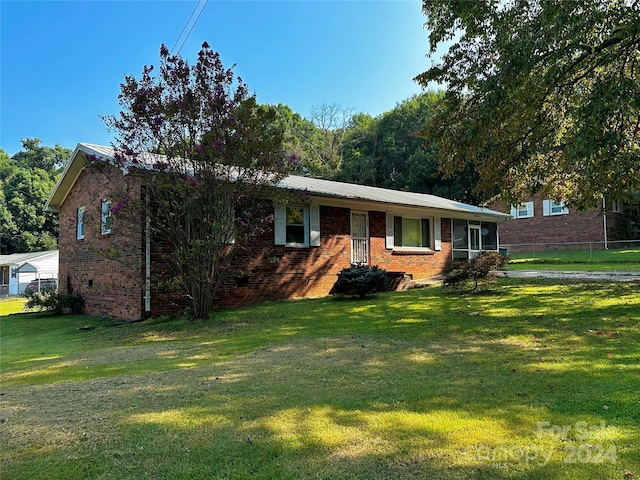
x=185 y=26
x=192 y=25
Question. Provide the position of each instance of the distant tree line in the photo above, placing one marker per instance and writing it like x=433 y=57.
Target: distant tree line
x=383 y=151
x=334 y=143
x=26 y=180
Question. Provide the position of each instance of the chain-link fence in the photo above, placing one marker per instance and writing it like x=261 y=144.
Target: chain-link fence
x=577 y=251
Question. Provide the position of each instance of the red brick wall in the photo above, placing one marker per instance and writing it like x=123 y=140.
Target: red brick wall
x=109 y=287
x=274 y=272
x=290 y=272
x=419 y=265
x=279 y=272
x=573 y=227
x=114 y=287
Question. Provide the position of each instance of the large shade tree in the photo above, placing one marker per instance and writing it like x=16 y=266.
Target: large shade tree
x=541 y=95
x=26 y=179
x=386 y=152
x=209 y=190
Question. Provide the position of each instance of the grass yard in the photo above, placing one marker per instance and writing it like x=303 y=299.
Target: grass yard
x=528 y=381
x=626 y=259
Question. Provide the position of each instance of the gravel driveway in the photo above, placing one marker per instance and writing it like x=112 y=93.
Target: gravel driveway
x=600 y=276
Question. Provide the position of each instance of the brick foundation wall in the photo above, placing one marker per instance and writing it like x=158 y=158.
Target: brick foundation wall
x=109 y=287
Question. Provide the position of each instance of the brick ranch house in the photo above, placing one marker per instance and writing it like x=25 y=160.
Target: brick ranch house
x=409 y=234
x=546 y=223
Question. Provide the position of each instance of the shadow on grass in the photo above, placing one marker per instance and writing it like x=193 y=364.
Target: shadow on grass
x=419 y=384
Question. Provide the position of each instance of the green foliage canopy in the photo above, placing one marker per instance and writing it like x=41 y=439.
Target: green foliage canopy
x=26 y=180
x=541 y=95
x=222 y=154
x=386 y=152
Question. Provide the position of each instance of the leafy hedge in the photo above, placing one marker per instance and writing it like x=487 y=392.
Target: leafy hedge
x=360 y=280
x=461 y=273
x=55 y=302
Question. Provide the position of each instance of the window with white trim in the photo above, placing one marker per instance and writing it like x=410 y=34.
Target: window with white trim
x=80 y=224
x=297 y=225
x=523 y=210
x=105 y=219
x=412 y=232
x=551 y=207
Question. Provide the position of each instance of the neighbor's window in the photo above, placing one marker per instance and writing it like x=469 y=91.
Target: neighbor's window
x=296 y=226
x=524 y=210
x=616 y=206
x=105 y=221
x=80 y=225
x=551 y=207
x=411 y=232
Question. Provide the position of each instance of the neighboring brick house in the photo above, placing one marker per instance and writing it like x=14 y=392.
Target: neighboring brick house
x=409 y=234
x=546 y=223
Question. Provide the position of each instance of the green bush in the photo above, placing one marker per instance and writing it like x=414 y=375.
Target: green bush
x=461 y=273
x=55 y=302
x=360 y=280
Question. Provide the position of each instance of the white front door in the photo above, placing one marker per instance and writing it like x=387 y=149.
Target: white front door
x=359 y=237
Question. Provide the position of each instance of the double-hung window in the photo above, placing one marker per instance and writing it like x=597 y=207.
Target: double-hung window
x=80 y=224
x=412 y=233
x=616 y=206
x=105 y=219
x=551 y=207
x=523 y=210
x=297 y=225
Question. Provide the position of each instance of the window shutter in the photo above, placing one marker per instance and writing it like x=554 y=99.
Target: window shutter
x=314 y=220
x=530 y=212
x=280 y=225
x=514 y=211
x=389 y=243
x=437 y=233
x=546 y=208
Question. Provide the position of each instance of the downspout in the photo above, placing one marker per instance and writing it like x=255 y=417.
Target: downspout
x=604 y=223
x=147 y=256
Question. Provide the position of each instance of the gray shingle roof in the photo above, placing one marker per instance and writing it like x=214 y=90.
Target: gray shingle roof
x=329 y=189
x=22 y=258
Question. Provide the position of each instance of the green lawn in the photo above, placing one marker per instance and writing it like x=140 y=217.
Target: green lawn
x=528 y=381
x=626 y=259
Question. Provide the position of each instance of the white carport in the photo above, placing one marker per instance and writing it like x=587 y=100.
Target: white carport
x=18 y=269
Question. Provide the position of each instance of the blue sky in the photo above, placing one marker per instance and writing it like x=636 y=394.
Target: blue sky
x=62 y=62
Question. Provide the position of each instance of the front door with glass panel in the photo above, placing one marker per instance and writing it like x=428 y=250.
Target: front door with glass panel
x=359 y=237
